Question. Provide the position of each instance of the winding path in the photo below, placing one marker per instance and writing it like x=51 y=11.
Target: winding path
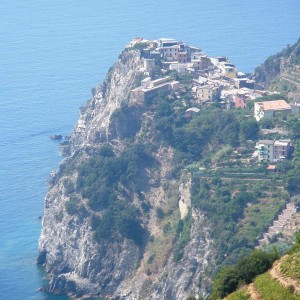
x=284 y=281
x=254 y=295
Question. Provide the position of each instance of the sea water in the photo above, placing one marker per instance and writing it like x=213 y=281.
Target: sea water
x=53 y=52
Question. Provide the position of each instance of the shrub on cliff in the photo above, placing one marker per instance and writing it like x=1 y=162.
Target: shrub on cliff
x=98 y=181
x=98 y=177
x=230 y=277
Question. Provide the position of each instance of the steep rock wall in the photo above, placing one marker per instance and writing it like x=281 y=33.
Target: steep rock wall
x=80 y=266
x=93 y=124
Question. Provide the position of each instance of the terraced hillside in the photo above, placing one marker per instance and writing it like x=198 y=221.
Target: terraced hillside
x=289 y=81
x=284 y=226
x=281 y=72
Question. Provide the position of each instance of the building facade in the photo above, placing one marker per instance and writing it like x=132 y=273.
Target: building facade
x=273 y=150
x=271 y=109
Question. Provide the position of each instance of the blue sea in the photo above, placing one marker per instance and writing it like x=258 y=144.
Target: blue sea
x=53 y=52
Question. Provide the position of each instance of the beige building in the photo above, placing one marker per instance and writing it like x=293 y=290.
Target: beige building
x=169 y=53
x=270 y=109
x=201 y=63
x=183 y=57
x=180 y=68
x=230 y=71
x=208 y=93
x=150 y=89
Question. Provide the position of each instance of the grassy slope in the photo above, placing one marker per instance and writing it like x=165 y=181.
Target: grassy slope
x=239 y=295
x=290 y=266
x=270 y=289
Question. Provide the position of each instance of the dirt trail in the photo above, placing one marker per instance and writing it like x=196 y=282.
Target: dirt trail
x=284 y=281
x=254 y=295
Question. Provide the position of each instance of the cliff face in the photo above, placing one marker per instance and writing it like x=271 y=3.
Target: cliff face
x=120 y=268
x=94 y=121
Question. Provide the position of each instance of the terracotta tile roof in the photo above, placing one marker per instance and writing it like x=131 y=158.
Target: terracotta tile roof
x=274 y=105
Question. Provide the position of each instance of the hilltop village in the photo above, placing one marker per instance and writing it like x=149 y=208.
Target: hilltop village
x=214 y=81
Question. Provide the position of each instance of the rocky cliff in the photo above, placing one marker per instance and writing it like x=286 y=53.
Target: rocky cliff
x=117 y=267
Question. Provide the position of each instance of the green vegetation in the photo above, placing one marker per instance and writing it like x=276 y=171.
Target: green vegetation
x=140 y=46
x=290 y=266
x=100 y=180
x=69 y=187
x=270 y=289
x=213 y=127
x=239 y=211
x=72 y=205
x=293 y=124
x=267 y=123
x=291 y=170
x=296 y=246
x=222 y=209
x=100 y=175
x=119 y=220
x=231 y=277
x=258 y=262
x=271 y=98
x=183 y=236
x=259 y=215
x=239 y=295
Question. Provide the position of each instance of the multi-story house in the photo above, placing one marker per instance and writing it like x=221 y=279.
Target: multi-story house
x=270 y=109
x=265 y=150
x=208 y=93
x=273 y=151
x=282 y=149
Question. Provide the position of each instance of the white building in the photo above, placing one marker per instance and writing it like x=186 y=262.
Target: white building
x=270 y=109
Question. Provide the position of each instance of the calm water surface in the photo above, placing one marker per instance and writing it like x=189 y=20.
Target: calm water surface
x=53 y=52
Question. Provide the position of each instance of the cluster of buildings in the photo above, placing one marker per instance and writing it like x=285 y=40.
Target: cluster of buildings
x=173 y=54
x=214 y=79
